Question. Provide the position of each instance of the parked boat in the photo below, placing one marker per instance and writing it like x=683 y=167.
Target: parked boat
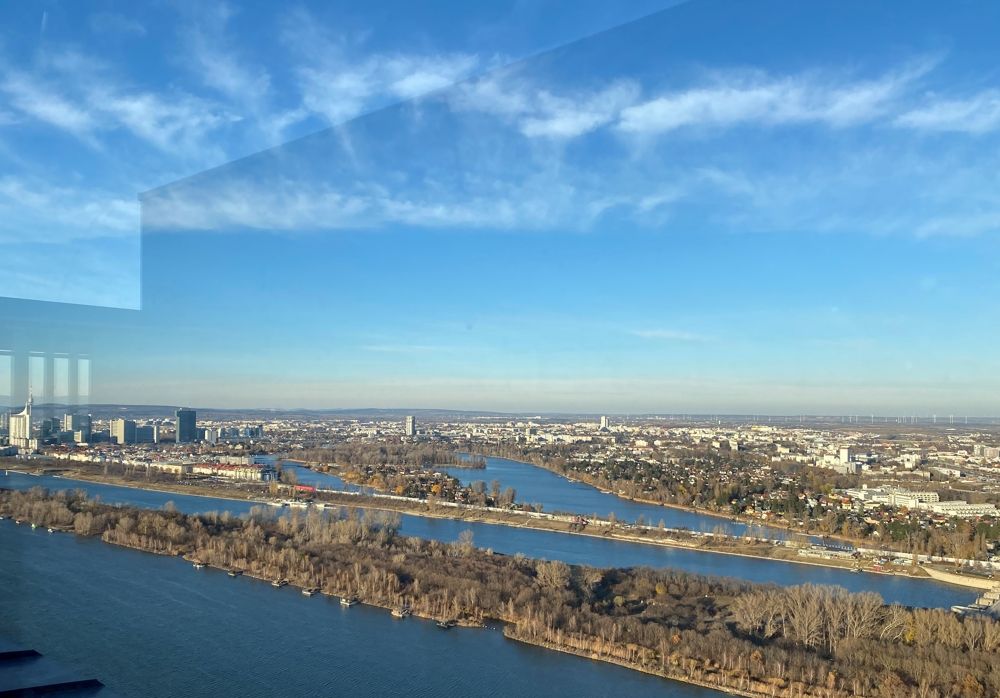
x=447 y=624
x=198 y=565
x=278 y=583
x=310 y=591
x=401 y=612
x=34 y=525
x=348 y=601
x=234 y=573
x=51 y=530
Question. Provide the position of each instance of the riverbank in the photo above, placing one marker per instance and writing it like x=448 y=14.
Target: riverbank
x=707 y=543
x=777 y=526
x=701 y=630
x=553 y=647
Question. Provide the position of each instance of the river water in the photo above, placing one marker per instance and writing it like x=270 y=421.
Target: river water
x=148 y=625
x=574 y=549
x=153 y=626
x=555 y=493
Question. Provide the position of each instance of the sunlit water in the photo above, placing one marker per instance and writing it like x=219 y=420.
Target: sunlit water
x=148 y=625
x=573 y=549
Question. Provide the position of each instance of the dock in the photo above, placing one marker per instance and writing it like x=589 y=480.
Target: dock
x=25 y=672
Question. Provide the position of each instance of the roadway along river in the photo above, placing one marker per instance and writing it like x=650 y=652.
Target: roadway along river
x=569 y=548
x=148 y=625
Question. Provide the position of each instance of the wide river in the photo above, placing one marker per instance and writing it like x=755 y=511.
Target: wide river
x=148 y=625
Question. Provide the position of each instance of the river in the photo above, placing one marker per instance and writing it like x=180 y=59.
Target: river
x=535 y=485
x=148 y=625
x=574 y=549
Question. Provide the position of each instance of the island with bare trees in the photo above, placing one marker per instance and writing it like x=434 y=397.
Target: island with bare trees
x=748 y=639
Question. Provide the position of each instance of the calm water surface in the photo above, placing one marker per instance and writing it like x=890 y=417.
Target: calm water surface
x=148 y=625
x=536 y=485
x=573 y=549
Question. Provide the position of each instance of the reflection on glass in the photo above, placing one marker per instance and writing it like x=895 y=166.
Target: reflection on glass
x=6 y=366
x=83 y=381
x=36 y=375
x=60 y=380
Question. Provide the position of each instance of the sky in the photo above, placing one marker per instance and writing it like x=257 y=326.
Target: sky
x=703 y=206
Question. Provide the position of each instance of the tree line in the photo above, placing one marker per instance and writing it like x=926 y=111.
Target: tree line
x=747 y=638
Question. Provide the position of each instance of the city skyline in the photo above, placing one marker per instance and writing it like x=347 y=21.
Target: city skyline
x=506 y=348
x=748 y=222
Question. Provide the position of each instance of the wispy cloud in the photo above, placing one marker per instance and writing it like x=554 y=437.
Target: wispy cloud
x=35 y=100
x=338 y=79
x=283 y=205
x=976 y=114
x=542 y=112
x=58 y=214
x=733 y=98
x=962 y=224
x=338 y=89
x=670 y=335
x=217 y=60
x=85 y=98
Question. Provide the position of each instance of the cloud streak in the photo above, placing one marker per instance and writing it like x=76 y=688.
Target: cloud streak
x=977 y=114
x=58 y=214
x=83 y=97
x=735 y=99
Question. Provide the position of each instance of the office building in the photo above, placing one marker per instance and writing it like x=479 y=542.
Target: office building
x=79 y=424
x=123 y=431
x=20 y=426
x=411 y=425
x=605 y=424
x=187 y=426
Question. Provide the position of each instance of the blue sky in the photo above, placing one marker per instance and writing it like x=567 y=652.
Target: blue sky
x=721 y=207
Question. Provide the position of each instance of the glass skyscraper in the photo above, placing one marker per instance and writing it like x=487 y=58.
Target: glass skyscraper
x=187 y=430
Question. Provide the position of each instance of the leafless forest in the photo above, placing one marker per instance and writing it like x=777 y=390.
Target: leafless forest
x=749 y=639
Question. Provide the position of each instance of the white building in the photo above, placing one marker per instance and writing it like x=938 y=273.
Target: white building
x=962 y=509
x=20 y=426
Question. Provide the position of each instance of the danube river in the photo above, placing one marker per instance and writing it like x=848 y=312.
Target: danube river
x=148 y=625
x=574 y=549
